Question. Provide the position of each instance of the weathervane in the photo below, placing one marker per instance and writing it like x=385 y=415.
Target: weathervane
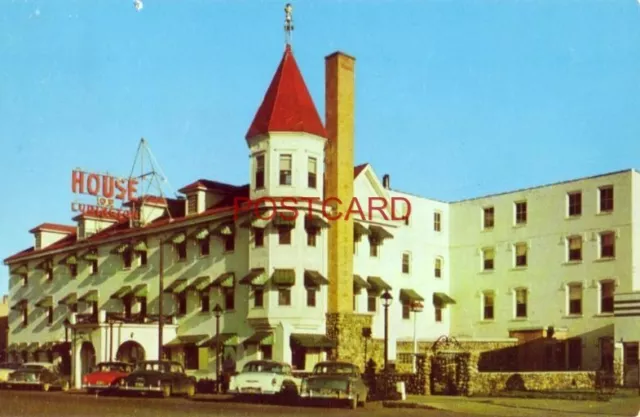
x=288 y=23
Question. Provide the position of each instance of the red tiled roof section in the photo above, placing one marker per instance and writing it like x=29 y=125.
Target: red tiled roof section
x=358 y=169
x=212 y=186
x=53 y=227
x=287 y=106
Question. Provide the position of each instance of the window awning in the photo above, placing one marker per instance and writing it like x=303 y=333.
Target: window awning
x=200 y=284
x=91 y=255
x=177 y=286
x=19 y=305
x=140 y=290
x=90 y=296
x=20 y=270
x=224 y=229
x=259 y=338
x=44 y=265
x=314 y=279
x=140 y=246
x=442 y=298
x=32 y=347
x=70 y=260
x=185 y=340
x=315 y=222
x=68 y=299
x=122 y=292
x=225 y=280
x=380 y=232
x=256 y=277
x=284 y=277
x=260 y=221
x=225 y=339
x=359 y=230
x=304 y=340
x=202 y=233
x=287 y=219
x=178 y=238
x=359 y=283
x=377 y=284
x=45 y=302
x=121 y=248
x=409 y=296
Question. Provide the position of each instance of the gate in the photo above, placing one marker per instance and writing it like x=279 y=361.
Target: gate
x=448 y=367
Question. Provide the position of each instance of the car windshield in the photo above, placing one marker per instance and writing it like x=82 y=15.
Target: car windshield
x=153 y=366
x=9 y=365
x=334 y=369
x=113 y=367
x=32 y=367
x=271 y=367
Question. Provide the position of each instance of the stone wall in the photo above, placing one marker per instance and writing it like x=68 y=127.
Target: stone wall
x=346 y=330
x=491 y=382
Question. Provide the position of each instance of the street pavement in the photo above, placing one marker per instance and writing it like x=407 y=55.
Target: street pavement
x=72 y=404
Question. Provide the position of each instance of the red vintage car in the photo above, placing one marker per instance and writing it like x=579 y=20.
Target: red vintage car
x=105 y=375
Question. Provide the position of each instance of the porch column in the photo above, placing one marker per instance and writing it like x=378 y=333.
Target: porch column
x=76 y=365
x=618 y=363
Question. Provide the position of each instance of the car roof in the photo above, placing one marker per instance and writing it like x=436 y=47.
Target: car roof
x=113 y=363
x=161 y=361
x=269 y=361
x=341 y=363
x=37 y=364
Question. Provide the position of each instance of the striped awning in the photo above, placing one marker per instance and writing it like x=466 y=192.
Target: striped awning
x=256 y=277
x=200 y=284
x=224 y=229
x=91 y=255
x=68 y=299
x=186 y=340
x=359 y=230
x=177 y=286
x=315 y=222
x=122 y=247
x=314 y=279
x=409 y=296
x=380 y=232
x=201 y=233
x=284 y=277
x=259 y=338
x=140 y=246
x=359 y=283
x=225 y=280
x=442 y=298
x=90 y=296
x=178 y=237
x=45 y=302
x=377 y=284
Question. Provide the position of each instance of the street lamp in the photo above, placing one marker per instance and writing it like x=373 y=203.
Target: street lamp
x=416 y=307
x=386 y=302
x=217 y=311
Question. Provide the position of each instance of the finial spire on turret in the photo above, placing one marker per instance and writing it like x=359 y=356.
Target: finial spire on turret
x=288 y=24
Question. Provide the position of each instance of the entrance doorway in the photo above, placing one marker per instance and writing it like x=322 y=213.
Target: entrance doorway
x=87 y=358
x=130 y=352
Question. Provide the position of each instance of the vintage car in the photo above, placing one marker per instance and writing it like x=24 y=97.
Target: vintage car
x=6 y=368
x=165 y=378
x=335 y=381
x=39 y=375
x=265 y=377
x=105 y=376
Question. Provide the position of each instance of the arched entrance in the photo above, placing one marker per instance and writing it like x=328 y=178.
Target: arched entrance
x=131 y=352
x=87 y=358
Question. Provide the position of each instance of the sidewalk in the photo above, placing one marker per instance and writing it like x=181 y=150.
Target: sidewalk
x=524 y=407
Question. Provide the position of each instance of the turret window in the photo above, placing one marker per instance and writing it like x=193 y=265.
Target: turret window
x=259 y=171
x=312 y=173
x=285 y=169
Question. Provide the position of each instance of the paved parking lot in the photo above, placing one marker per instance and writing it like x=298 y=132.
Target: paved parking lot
x=33 y=403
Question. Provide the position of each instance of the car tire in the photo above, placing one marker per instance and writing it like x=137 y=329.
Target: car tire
x=166 y=391
x=191 y=391
x=46 y=387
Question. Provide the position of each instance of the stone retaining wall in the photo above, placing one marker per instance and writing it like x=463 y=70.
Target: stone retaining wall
x=491 y=382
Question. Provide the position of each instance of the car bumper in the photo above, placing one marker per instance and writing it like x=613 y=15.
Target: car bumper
x=96 y=387
x=131 y=388
x=20 y=384
x=252 y=391
x=319 y=395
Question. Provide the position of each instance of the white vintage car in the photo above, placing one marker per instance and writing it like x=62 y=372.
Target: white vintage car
x=265 y=377
x=6 y=368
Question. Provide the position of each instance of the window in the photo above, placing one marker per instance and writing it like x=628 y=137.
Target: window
x=285 y=169
x=437 y=226
x=372 y=302
x=191 y=357
x=127 y=258
x=311 y=297
x=260 y=171
x=258 y=297
x=575 y=299
x=192 y=203
x=437 y=310
x=25 y=315
x=575 y=353
x=205 y=302
x=406 y=311
x=606 y=199
x=73 y=308
x=94 y=267
x=258 y=237
x=205 y=247
x=437 y=268
x=182 y=303
x=284 y=235
x=49 y=273
x=607 y=245
x=311 y=237
x=607 y=289
x=521 y=212
x=575 y=248
x=229 y=298
x=229 y=243
x=284 y=296
x=406 y=259
x=373 y=247
x=575 y=203
x=521 y=254
x=127 y=302
x=488 y=217
x=521 y=302
x=50 y=316
x=73 y=270
x=312 y=173
x=488 y=255
x=181 y=250
x=142 y=258
x=94 y=309
x=487 y=305
x=143 y=306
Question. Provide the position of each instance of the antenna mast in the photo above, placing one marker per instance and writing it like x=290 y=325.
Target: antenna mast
x=288 y=24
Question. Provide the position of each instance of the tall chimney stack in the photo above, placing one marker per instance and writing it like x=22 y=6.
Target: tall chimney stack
x=339 y=120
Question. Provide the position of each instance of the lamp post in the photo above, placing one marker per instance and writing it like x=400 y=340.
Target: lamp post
x=416 y=307
x=217 y=311
x=68 y=325
x=386 y=302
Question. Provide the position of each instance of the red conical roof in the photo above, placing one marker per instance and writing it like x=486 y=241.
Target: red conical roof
x=287 y=106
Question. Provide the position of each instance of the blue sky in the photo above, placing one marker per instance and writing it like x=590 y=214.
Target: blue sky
x=455 y=98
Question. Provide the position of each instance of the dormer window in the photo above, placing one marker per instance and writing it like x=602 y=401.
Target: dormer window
x=38 y=241
x=192 y=203
x=259 y=180
x=285 y=169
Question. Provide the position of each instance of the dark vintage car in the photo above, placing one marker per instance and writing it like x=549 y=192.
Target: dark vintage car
x=339 y=381
x=105 y=376
x=39 y=375
x=165 y=378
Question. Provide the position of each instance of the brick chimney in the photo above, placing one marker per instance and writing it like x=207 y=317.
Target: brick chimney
x=339 y=121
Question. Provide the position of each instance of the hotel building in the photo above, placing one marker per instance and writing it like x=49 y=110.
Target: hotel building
x=554 y=264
